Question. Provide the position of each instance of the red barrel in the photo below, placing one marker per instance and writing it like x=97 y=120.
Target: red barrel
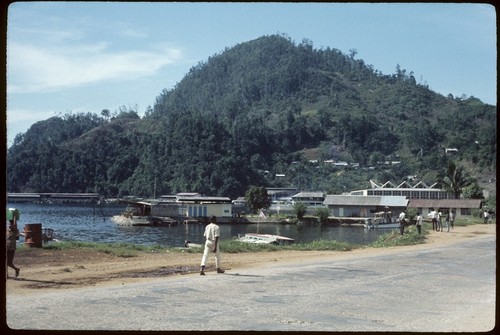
x=33 y=235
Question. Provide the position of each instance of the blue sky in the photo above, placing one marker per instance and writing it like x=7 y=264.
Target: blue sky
x=88 y=56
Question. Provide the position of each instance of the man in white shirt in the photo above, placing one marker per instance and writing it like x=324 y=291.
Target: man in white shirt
x=402 y=223
x=419 y=223
x=433 y=216
x=212 y=234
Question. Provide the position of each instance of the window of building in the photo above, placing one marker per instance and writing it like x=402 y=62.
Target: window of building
x=465 y=211
x=443 y=195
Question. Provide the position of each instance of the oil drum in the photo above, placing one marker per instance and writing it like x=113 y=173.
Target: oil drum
x=33 y=235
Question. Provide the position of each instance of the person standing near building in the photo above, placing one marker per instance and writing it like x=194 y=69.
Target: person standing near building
x=439 y=221
x=402 y=222
x=452 y=219
x=433 y=216
x=12 y=237
x=447 y=221
x=486 y=216
x=419 y=223
x=212 y=235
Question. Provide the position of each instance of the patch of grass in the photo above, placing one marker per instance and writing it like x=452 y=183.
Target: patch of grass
x=320 y=245
x=394 y=238
x=117 y=249
x=235 y=246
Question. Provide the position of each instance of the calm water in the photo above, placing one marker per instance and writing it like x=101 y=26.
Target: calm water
x=93 y=223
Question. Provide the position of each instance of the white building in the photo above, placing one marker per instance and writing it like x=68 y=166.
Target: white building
x=363 y=206
x=418 y=191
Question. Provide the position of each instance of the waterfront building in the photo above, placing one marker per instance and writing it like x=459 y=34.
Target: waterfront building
x=311 y=199
x=459 y=207
x=364 y=206
x=417 y=191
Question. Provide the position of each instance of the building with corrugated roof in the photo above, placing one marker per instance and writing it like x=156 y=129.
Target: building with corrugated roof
x=309 y=198
x=363 y=206
x=419 y=190
x=459 y=207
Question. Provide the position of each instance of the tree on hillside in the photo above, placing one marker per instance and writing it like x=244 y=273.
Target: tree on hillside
x=257 y=198
x=455 y=179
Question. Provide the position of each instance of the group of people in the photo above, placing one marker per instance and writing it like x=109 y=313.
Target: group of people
x=436 y=220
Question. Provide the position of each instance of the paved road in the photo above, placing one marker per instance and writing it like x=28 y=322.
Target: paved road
x=450 y=288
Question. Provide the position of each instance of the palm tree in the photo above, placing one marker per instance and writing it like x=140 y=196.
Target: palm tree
x=455 y=179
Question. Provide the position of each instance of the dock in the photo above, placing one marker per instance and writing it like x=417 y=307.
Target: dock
x=53 y=197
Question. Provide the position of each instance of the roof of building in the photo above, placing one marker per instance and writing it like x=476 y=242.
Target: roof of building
x=309 y=195
x=203 y=199
x=404 y=185
x=361 y=200
x=445 y=203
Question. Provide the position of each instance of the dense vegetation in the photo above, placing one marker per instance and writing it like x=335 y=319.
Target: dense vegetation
x=262 y=108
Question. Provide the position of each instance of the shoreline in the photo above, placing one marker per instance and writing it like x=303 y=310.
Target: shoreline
x=43 y=270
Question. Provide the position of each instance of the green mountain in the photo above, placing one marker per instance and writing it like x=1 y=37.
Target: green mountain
x=260 y=113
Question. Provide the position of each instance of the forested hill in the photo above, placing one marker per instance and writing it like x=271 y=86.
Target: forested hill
x=259 y=109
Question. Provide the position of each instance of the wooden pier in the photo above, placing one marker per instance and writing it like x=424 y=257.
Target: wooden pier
x=53 y=197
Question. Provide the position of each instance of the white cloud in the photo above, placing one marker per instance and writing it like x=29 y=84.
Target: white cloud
x=40 y=69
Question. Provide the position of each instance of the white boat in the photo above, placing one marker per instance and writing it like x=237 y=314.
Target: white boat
x=189 y=244
x=142 y=213
x=265 y=239
x=382 y=225
x=382 y=220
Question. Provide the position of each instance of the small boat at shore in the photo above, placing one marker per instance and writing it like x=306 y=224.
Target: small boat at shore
x=189 y=244
x=265 y=239
x=382 y=220
x=382 y=225
x=142 y=213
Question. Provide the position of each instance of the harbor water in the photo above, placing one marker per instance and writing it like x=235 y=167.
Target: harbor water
x=92 y=223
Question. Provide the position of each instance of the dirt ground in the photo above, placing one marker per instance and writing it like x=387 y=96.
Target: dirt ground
x=43 y=269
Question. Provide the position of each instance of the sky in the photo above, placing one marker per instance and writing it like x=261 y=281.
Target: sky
x=72 y=57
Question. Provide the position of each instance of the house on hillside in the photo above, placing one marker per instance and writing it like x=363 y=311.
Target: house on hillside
x=364 y=206
x=460 y=207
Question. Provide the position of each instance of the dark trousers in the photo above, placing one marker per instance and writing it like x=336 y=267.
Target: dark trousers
x=10 y=258
x=402 y=228
x=419 y=229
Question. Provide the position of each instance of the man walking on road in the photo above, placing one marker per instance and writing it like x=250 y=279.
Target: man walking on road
x=212 y=234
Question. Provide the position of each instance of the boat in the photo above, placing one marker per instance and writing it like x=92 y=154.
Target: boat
x=265 y=239
x=143 y=213
x=48 y=235
x=381 y=220
x=189 y=244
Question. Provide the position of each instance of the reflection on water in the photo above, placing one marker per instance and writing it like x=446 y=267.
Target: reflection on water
x=93 y=223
